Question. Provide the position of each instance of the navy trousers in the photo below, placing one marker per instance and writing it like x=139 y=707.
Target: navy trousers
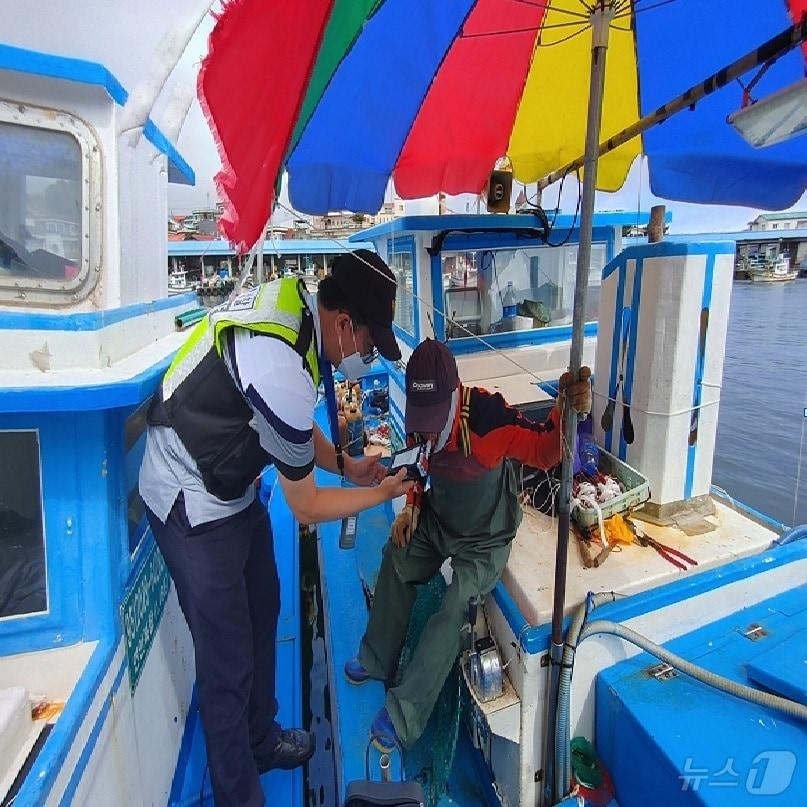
x=228 y=589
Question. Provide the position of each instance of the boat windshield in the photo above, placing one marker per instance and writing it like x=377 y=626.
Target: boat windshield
x=496 y=290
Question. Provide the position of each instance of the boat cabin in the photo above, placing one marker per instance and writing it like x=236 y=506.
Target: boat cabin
x=90 y=630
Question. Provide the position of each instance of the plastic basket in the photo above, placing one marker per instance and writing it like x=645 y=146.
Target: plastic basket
x=637 y=491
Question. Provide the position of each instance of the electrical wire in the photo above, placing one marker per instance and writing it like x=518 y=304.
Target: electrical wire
x=576 y=214
x=686 y=411
x=435 y=309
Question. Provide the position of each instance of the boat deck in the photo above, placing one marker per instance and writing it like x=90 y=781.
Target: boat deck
x=530 y=571
x=344 y=571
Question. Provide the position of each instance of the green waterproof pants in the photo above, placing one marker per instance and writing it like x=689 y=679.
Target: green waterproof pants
x=477 y=559
x=474 y=573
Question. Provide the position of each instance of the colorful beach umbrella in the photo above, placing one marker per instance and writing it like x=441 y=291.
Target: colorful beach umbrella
x=347 y=95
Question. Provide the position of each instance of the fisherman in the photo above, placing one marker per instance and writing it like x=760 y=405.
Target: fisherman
x=240 y=395
x=470 y=514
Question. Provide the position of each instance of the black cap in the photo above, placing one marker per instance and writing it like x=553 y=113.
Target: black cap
x=431 y=378
x=366 y=280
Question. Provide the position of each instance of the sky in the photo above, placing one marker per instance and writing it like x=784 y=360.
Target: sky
x=197 y=146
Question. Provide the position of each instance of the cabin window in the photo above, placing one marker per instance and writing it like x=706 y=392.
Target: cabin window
x=23 y=587
x=491 y=291
x=49 y=207
x=401 y=259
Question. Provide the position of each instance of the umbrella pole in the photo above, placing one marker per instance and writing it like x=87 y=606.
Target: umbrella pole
x=600 y=21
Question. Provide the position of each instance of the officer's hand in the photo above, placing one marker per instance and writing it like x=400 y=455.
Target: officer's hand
x=404 y=526
x=579 y=392
x=396 y=485
x=365 y=471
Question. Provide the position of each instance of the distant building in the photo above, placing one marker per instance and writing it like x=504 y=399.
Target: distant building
x=794 y=220
x=199 y=225
x=343 y=225
x=202 y=225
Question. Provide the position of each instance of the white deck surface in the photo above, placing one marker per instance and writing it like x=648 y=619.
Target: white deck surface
x=517 y=389
x=529 y=574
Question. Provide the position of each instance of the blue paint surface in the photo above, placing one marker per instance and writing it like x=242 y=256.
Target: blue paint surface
x=651 y=733
x=90 y=321
x=780 y=668
x=91 y=397
x=70 y=472
x=82 y=71
x=92 y=740
x=666 y=249
x=503 y=341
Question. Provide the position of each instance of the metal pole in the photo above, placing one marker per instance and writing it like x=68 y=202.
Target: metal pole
x=600 y=23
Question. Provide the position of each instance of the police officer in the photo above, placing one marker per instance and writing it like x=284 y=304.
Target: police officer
x=240 y=395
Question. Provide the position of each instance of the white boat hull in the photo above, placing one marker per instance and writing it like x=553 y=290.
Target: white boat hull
x=772 y=277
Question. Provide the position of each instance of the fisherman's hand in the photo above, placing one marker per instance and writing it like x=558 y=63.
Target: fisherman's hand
x=365 y=472
x=405 y=524
x=396 y=485
x=579 y=392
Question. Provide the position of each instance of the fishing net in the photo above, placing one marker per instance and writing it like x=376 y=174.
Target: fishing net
x=430 y=760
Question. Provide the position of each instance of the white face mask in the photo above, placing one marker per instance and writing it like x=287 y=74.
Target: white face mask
x=442 y=438
x=353 y=366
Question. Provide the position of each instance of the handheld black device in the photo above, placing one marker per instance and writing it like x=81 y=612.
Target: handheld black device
x=414 y=459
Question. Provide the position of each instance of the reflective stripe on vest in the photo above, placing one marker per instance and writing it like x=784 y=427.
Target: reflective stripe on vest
x=275 y=309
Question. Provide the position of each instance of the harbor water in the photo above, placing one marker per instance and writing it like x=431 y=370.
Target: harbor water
x=764 y=400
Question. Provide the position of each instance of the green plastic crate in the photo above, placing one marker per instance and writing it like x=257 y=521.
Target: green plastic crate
x=637 y=491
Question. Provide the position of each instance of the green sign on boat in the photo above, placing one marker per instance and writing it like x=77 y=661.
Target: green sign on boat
x=141 y=610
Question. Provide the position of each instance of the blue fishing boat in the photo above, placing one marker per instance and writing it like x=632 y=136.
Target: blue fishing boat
x=669 y=672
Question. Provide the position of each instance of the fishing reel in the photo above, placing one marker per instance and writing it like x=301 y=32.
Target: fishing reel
x=484 y=662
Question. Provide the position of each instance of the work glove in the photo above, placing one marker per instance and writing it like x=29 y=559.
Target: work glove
x=579 y=392
x=405 y=524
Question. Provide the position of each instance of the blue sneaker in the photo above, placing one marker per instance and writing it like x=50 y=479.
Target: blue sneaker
x=382 y=732
x=355 y=672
